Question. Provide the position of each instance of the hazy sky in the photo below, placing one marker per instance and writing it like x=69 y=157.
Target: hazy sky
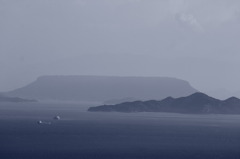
x=195 y=40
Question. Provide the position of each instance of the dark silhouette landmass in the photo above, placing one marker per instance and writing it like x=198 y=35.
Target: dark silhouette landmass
x=15 y=99
x=103 y=88
x=117 y=101
x=197 y=103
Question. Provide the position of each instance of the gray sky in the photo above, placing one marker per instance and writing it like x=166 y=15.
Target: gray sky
x=195 y=40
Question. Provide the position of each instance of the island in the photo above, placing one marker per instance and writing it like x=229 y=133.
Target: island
x=197 y=103
x=15 y=99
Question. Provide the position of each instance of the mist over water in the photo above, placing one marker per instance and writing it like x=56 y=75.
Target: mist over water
x=119 y=44
x=195 y=41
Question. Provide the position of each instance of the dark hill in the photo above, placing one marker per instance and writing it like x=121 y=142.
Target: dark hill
x=197 y=103
x=103 y=88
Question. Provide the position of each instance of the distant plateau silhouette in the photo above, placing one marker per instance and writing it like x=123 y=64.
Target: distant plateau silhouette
x=104 y=89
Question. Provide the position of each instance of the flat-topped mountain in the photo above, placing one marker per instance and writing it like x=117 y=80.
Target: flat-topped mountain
x=197 y=103
x=103 y=88
x=14 y=99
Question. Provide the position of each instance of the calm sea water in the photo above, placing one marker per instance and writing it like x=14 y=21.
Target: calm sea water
x=82 y=134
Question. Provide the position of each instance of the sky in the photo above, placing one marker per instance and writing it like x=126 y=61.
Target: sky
x=194 y=40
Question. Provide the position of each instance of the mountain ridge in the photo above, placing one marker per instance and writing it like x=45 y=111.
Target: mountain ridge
x=197 y=103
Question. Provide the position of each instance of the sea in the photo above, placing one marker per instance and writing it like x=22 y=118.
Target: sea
x=80 y=134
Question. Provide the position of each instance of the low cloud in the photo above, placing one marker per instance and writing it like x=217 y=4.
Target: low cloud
x=189 y=20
